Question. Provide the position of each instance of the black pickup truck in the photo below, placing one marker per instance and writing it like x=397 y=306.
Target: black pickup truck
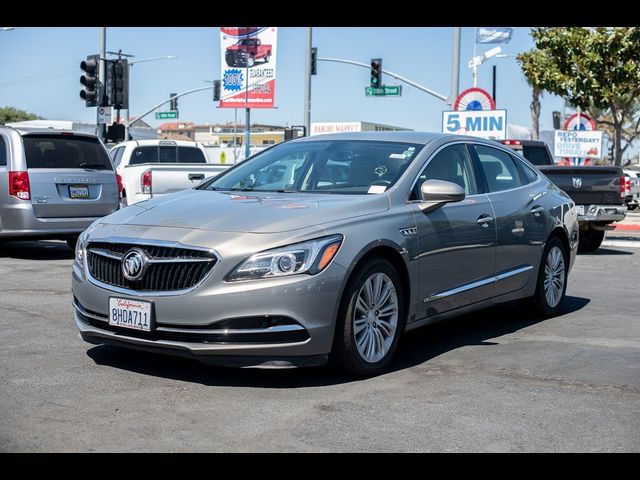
x=598 y=192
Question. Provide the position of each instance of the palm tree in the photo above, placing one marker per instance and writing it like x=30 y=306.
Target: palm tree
x=532 y=62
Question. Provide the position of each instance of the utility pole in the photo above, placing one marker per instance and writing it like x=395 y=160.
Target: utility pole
x=455 y=67
x=247 y=128
x=307 y=84
x=101 y=78
x=494 y=83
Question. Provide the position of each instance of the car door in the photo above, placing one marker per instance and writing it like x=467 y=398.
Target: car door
x=456 y=243
x=517 y=200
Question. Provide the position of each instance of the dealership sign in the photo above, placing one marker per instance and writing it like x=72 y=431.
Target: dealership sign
x=490 y=124
x=578 y=143
x=248 y=66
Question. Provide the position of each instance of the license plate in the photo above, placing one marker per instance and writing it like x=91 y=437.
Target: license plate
x=78 y=191
x=134 y=314
x=580 y=209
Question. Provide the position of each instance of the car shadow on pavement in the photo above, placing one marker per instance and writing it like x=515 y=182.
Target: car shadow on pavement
x=606 y=251
x=416 y=347
x=36 y=250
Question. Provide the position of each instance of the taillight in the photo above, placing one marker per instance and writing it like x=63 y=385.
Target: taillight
x=145 y=181
x=119 y=179
x=627 y=185
x=19 y=185
x=511 y=142
x=623 y=186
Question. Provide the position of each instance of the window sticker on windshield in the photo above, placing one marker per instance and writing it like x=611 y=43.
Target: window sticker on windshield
x=377 y=189
x=401 y=156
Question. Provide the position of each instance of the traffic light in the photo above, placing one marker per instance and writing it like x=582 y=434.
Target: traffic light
x=121 y=84
x=216 y=90
x=91 y=91
x=376 y=72
x=556 y=120
x=314 y=61
x=173 y=104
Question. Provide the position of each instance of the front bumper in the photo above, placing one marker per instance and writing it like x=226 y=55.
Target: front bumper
x=603 y=213
x=189 y=324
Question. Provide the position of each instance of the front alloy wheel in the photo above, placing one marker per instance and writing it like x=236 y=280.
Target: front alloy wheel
x=370 y=320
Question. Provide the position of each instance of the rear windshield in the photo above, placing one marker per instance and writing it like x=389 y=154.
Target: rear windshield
x=57 y=151
x=536 y=155
x=165 y=154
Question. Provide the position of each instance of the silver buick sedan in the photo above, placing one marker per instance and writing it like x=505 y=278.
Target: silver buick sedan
x=326 y=247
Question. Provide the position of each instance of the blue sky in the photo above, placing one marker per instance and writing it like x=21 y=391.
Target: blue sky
x=423 y=54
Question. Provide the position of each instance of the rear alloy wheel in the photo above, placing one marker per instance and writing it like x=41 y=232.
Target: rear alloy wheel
x=370 y=321
x=552 y=279
x=590 y=240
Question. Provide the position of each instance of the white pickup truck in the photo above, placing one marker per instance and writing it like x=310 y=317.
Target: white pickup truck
x=150 y=168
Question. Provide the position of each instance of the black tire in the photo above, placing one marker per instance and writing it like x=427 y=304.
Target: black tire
x=267 y=57
x=538 y=302
x=345 y=355
x=590 y=240
x=123 y=202
x=72 y=243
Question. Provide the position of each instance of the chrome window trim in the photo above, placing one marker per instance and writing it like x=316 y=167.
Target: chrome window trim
x=479 y=283
x=160 y=243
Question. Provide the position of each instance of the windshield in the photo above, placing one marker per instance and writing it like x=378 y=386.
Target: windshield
x=338 y=166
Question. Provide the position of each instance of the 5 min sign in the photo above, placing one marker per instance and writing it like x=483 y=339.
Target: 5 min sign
x=490 y=124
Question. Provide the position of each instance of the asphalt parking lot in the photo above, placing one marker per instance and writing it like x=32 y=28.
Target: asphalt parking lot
x=495 y=380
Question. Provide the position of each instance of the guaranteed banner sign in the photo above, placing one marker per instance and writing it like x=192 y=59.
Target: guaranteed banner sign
x=248 y=61
x=578 y=143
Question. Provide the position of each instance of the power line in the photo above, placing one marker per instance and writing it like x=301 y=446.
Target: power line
x=47 y=74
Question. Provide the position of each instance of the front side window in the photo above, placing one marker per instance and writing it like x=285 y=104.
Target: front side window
x=499 y=169
x=322 y=166
x=452 y=164
x=65 y=151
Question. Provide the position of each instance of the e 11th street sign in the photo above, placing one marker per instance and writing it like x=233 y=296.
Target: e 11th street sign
x=384 y=91
x=165 y=115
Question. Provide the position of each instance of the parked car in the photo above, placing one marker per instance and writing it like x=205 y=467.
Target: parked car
x=375 y=233
x=632 y=187
x=246 y=51
x=152 y=168
x=53 y=183
x=599 y=192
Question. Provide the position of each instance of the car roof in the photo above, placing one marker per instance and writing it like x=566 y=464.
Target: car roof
x=159 y=141
x=48 y=131
x=408 y=136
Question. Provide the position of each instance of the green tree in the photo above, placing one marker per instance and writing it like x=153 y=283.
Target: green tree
x=11 y=114
x=593 y=68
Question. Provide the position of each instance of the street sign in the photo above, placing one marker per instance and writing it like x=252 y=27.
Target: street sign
x=165 y=115
x=104 y=115
x=384 y=91
x=474 y=99
x=490 y=124
x=578 y=143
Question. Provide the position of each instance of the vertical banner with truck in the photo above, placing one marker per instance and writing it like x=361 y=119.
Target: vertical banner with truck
x=252 y=50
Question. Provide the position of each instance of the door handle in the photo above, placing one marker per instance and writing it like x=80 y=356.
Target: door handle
x=537 y=210
x=196 y=176
x=483 y=220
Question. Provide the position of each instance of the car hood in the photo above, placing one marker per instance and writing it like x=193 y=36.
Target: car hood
x=249 y=212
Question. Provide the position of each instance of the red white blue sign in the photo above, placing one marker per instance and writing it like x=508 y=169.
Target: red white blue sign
x=580 y=122
x=474 y=99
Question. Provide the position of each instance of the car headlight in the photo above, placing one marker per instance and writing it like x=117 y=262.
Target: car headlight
x=82 y=243
x=309 y=257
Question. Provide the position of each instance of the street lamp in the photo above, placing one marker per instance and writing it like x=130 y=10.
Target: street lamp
x=479 y=60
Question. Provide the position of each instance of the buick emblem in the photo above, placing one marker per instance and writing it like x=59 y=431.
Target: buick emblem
x=577 y=182
x=134 y=263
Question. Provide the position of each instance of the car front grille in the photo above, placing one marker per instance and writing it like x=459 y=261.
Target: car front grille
x=170 y=268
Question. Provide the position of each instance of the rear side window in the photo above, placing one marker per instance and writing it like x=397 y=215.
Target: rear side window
x=527 y=174
x=61 y=151
x=3 y=152
x=537 y=155
x=190 y=155
x=144 y=155
x=499 y=169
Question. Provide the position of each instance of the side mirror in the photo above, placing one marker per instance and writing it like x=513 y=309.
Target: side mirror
x=436 y=193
